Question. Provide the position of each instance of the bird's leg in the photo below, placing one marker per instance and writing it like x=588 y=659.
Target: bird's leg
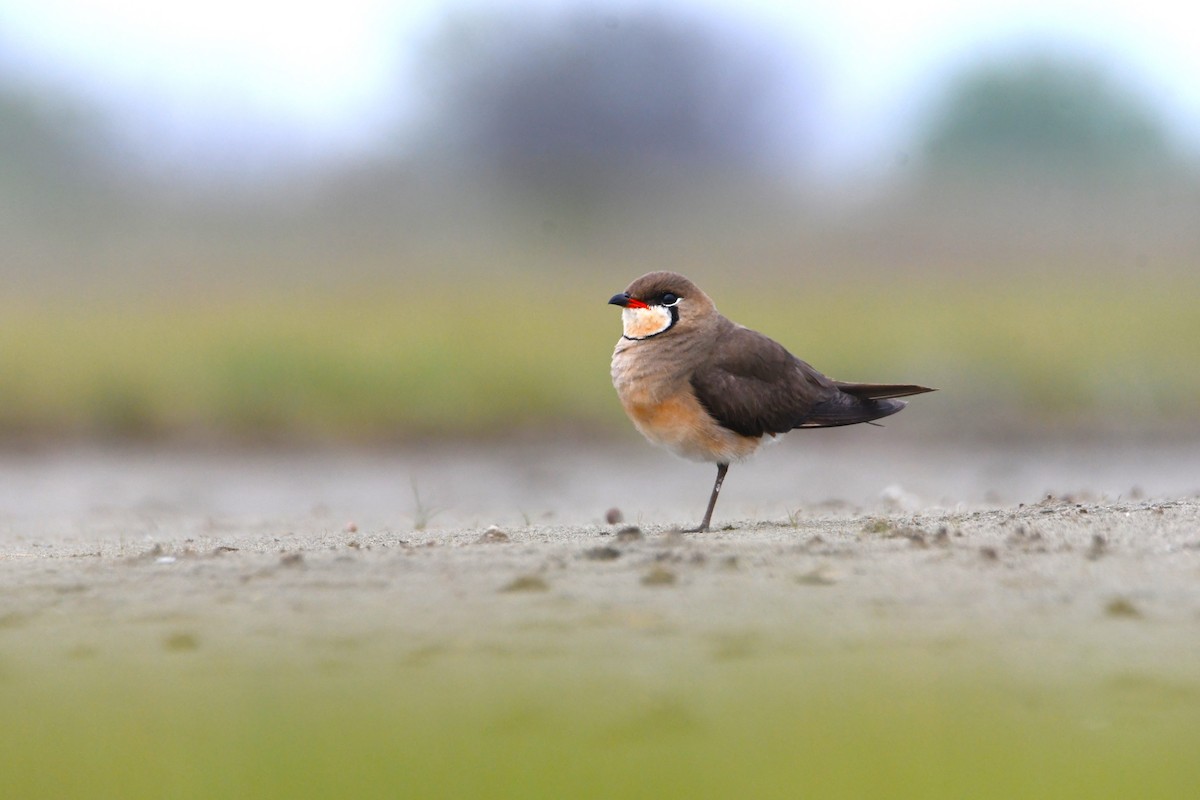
x=712 y=500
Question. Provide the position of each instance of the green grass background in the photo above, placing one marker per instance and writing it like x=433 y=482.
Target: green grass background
x=473 y=357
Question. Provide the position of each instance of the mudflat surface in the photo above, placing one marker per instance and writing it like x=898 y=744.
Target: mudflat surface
x=1087 y=553
x=874 y=616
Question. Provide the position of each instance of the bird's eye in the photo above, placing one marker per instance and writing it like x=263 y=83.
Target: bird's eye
x=670 y=299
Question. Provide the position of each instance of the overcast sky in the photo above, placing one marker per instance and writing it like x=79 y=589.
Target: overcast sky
x=322 y=75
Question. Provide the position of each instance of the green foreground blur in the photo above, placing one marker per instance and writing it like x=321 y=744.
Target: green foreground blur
x=736 y=721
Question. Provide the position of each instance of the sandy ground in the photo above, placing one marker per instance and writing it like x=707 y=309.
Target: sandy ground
x=1084 y=553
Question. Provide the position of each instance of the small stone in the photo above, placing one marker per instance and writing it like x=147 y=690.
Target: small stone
x=351 y=527
x=989 y=554
x=291 y=560
x=526 y=583
x=659 y=576
x=493 y=535
x=180 y=643
x=821 y=576
x=165 y=560
x=1121 y=607
x=614 y=516
x=631 y=533
x=603 y=553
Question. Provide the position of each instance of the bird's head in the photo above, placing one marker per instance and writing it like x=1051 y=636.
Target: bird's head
x=659 y=302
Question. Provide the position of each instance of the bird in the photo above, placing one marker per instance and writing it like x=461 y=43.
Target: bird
x=711 y=390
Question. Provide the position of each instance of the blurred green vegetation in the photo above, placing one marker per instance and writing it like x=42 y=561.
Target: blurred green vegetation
x=1035 y=257
x=476 y=358
x=781 y=721
x=1057 y=117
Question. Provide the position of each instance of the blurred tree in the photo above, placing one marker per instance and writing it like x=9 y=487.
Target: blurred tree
x=593 y=95
x=1044 y=114
x=32 y=144
x=50 y=159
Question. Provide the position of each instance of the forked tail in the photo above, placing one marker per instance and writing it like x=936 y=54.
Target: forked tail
x=860 y=402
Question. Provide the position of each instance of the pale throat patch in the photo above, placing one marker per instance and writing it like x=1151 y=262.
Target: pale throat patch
x=642 y=323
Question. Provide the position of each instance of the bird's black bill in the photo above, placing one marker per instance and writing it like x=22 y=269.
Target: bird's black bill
x=625 y=301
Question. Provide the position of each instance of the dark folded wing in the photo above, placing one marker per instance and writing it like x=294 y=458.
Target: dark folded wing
x=752 y=385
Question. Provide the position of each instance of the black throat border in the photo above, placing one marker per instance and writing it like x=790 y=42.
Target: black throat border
x=674 y=318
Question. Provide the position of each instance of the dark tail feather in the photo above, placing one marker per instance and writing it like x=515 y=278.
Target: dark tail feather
x=881 y=391
x=845 y=409
x=859 y=402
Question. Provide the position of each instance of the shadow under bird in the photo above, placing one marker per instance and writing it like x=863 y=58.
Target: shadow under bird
x=710 y=390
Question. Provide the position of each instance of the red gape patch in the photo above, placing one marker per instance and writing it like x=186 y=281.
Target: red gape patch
x=635 y=303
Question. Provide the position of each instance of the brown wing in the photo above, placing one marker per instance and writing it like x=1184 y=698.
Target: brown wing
x=753 y=386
